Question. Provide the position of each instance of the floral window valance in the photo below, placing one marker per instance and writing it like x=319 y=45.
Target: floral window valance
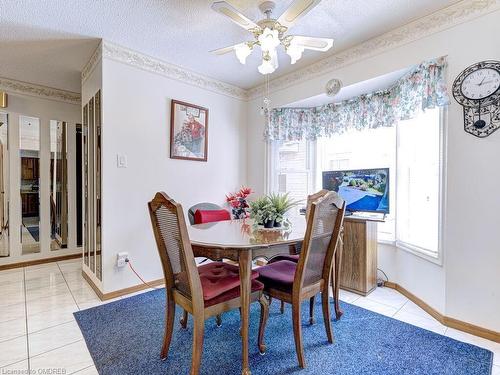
x=421 y=88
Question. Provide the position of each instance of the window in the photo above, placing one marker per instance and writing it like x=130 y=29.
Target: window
x=292 y=168
x=412 y=152
x=374 y=148
x=418 y=182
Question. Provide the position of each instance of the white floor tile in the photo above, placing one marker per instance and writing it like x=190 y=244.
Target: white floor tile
x=53 y=290
x=84 y=294
x=50 y=303
x=495 y=370
x=347 y=296
x=11 y=297
x=50 y=318
x=13 y=351
x=12 y=312
x=54 y=337
x=44 y=281
x=412 y=308
x=11 y=276
x=478 y=341
x=70 y=265
x=88 y=371
x=430 y=324
x=375 y=306
x=12 y=329
x=388 y=297
x=20 y=367
x=69 y=358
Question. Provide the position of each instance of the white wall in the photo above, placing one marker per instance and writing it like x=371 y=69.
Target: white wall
x=466 y=286
x=136 y=123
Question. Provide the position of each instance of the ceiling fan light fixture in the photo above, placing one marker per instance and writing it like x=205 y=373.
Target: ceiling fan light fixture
x=295 y=52
x=269 y=62
x=242 y=51
x=269 y=39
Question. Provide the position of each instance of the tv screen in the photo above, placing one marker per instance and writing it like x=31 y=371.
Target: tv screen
x=362 y=189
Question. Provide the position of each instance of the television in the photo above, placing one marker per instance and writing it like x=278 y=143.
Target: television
x=364 y=190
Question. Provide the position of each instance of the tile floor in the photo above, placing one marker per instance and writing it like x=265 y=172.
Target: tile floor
x=38 y=330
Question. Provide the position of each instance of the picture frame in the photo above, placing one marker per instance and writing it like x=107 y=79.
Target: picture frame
x=188 y=131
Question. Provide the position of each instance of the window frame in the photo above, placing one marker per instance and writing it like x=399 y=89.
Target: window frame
x=434 y=257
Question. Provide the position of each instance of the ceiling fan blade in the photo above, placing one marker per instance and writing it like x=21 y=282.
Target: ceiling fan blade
x=297 y=10
x=223 y=51
x=228 y=10
x=316 y=44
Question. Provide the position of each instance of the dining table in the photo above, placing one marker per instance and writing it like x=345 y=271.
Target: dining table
x=242 y=241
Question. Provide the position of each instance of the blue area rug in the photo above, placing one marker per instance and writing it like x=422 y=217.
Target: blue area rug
x=125 y=337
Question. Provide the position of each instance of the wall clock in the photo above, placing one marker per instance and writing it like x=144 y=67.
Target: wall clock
x=477 y=89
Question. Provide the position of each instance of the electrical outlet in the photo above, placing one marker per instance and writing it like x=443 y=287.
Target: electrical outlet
x=120 y=259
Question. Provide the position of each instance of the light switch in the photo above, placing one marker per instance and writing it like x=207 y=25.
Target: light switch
x=121 y=161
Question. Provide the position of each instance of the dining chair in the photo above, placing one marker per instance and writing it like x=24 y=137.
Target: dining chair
x=204 y=206
x=292 y=282
x=295 y=257
x=204 y=291
x=201 y=213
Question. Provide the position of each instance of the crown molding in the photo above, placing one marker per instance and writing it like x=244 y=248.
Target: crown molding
x=453 y=15
x=139 y=60
x=91 y=64
x=25 y=88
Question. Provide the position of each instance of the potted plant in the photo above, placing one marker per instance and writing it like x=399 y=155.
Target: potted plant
x=282 y=203
x=238 y=202
x=257 y=209
x=269 y=215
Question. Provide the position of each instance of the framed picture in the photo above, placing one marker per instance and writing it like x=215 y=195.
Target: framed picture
x=188 y=131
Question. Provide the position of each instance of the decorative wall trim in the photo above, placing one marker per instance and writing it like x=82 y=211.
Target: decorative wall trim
x=443 y=319
x=12 y=86
x=90 y=65
x=453 y=15
x=151 y=64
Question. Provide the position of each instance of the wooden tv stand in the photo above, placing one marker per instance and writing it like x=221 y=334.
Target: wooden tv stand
x=358 y=269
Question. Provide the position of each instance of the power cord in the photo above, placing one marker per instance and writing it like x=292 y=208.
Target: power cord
x=380 y=282
x=139 y=276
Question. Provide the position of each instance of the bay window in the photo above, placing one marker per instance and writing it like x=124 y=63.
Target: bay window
x=412 y=152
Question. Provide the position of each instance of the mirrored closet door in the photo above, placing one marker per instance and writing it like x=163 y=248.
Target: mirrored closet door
x=29 y=154
x=4 y=186
x=91 y=140
x=58 y=185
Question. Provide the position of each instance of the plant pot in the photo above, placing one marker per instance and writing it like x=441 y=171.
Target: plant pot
x=269 y=224
x=277 y=224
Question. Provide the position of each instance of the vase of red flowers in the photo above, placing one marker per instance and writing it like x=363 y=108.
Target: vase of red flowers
x=238 y=202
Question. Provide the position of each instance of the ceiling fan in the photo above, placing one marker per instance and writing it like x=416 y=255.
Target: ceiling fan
x=269 y=33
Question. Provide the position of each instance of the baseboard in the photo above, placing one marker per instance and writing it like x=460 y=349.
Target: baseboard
x=121 y=292
x=443 y=319
x=35 y=262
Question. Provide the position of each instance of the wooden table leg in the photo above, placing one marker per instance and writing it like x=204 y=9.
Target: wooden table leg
x=336 y=279
x=245 y=262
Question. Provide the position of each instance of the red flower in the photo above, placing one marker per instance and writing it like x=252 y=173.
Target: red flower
x=245 y=192
x=230 y=197
x=235 y=203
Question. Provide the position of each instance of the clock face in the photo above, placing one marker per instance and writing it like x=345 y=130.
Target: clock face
x=480 y=83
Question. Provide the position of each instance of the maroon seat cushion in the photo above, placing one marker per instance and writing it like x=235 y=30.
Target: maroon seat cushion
x=220 y=282
x=233 y=293
x=278 y=275
x=209 y=216
x=280 y=257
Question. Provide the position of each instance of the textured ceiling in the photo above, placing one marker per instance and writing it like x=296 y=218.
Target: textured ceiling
x=49 y=41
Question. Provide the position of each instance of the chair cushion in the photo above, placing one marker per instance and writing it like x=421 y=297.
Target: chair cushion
x=278 y=275
x=233 y=293
x=280 y=257
x=209 y=216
